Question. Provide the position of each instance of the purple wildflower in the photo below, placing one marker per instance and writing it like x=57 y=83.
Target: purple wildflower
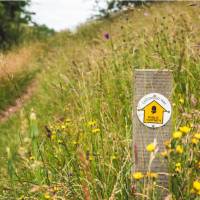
x=48 y=132
x=107 y=36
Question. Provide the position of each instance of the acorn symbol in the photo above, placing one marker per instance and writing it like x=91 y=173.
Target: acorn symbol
x=153 y=109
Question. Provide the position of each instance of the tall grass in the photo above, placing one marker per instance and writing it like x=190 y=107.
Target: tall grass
x=73 y=140
x=13 y=87
x=16 y=73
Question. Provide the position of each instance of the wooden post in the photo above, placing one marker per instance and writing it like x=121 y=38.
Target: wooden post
x=150 y=81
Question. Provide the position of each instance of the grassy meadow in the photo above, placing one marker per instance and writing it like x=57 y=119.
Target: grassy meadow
x=73 y=138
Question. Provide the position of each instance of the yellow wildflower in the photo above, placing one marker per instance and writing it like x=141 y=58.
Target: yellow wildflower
x=181 y=100
x=67 y=120
x=151 y=147
x=164 y=154
x=194 y=140
x=53 y=137
x=96 y=130
x=63 y=126
x=60 y=142
x=32 y=158
x=47 y=196
x=185 y=129
x=196 y=186
x=178 y=167
x=167 y=144
x=152 y=175
x=51 y=126
x=55 y=189
x=178 y=164
x=91 y=158
x=91 y=123
x=179 y=149
x=191 y=125
x=138 y=175
x=197 y=135
x=177 y=134
x=74 y=142
x=113 y=157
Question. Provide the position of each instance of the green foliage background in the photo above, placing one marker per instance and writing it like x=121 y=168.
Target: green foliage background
x=13 y=15
x=17 y=26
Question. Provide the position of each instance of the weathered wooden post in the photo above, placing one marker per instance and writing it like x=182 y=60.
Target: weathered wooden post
x=151 y=117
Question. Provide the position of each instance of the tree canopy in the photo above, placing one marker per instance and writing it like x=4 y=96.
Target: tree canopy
x=13 y=15
x=115 y=5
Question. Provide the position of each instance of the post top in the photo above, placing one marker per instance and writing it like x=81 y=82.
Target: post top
x=153 y=70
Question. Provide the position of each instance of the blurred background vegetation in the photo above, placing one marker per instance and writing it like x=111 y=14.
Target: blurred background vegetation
x=16 y=24
x=117 y=5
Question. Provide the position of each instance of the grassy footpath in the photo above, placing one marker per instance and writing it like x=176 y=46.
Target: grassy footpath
x=73 y=139
x=17 y=69
x=13 y=88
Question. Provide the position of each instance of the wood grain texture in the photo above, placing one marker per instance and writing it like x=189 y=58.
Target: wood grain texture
x=145 y=82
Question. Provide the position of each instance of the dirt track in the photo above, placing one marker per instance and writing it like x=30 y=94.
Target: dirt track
x=4 y=115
